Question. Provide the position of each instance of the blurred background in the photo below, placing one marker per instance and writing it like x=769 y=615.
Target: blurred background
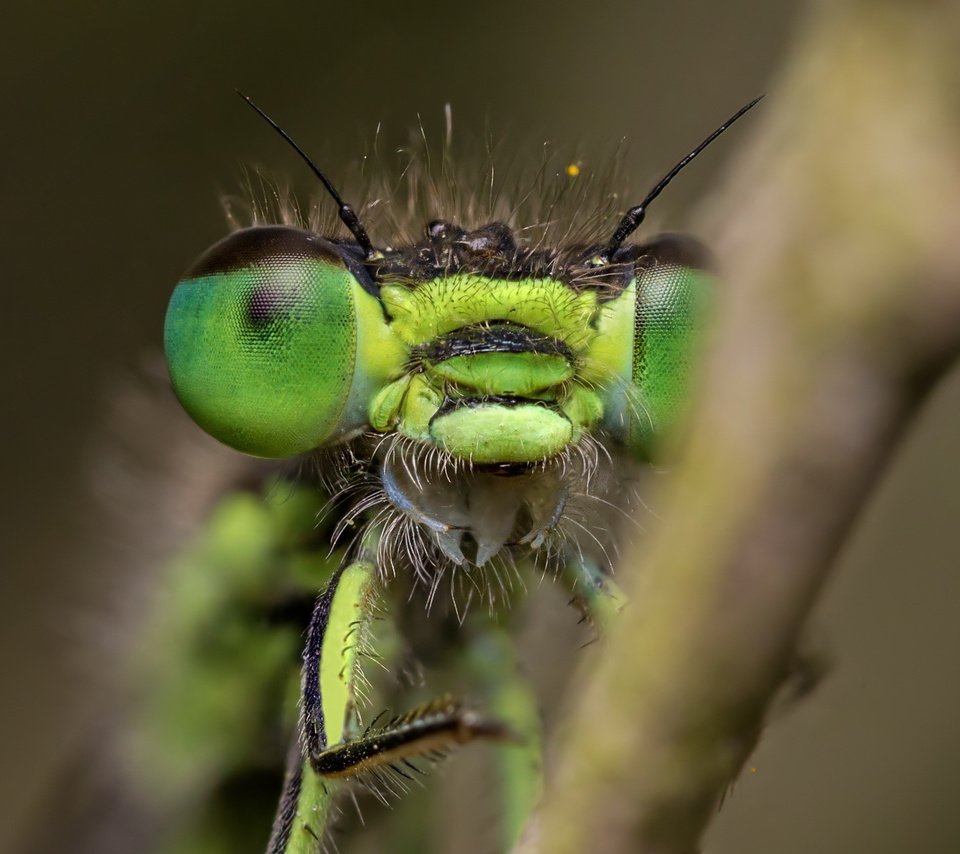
x=122 y=132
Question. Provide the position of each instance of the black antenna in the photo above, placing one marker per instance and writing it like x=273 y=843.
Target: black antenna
x=347 y=214
x=633 y=217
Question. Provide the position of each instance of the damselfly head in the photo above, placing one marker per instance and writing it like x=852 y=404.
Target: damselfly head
x=483 y=346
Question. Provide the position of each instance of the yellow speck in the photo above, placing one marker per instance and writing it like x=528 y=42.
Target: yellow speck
x=573 y=170
x=753 y=770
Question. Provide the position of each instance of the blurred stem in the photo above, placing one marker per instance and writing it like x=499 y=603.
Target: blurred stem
x=840 y=241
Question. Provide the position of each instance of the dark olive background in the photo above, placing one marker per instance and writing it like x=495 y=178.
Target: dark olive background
x=121 y=131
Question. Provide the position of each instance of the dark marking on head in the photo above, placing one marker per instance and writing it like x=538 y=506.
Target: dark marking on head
x=494 y=252
x=679 y=250
x=491 y=337
x=452 y=404
x=260 y=245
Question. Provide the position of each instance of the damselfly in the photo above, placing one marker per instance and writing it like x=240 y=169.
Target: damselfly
x=466 y=407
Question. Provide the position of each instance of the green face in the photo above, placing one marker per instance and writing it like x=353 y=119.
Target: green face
x=280 y=341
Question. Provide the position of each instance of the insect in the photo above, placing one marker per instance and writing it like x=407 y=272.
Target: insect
x=463 y=406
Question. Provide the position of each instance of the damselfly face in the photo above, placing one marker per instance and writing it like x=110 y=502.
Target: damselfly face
x=477 y=376
x=474 y=376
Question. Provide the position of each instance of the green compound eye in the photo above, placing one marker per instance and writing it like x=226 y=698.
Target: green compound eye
x=673 y=290
x=648 y=340
x=261 y=339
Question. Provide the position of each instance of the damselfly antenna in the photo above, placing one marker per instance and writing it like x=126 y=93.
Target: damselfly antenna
x=633 y=217
x=347 y=214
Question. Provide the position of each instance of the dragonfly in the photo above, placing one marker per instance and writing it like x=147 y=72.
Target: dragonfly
x=463 y=410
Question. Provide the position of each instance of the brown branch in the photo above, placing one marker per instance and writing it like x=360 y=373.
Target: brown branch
x=841 y=246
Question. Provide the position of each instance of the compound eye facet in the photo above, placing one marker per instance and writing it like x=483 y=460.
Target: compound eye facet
x=673 y=290
x=261 y=340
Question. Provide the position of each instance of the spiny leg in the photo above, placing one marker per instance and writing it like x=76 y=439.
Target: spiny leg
x=429 y=729
x=331 y=684
x=305 y=809
x=333 y=748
